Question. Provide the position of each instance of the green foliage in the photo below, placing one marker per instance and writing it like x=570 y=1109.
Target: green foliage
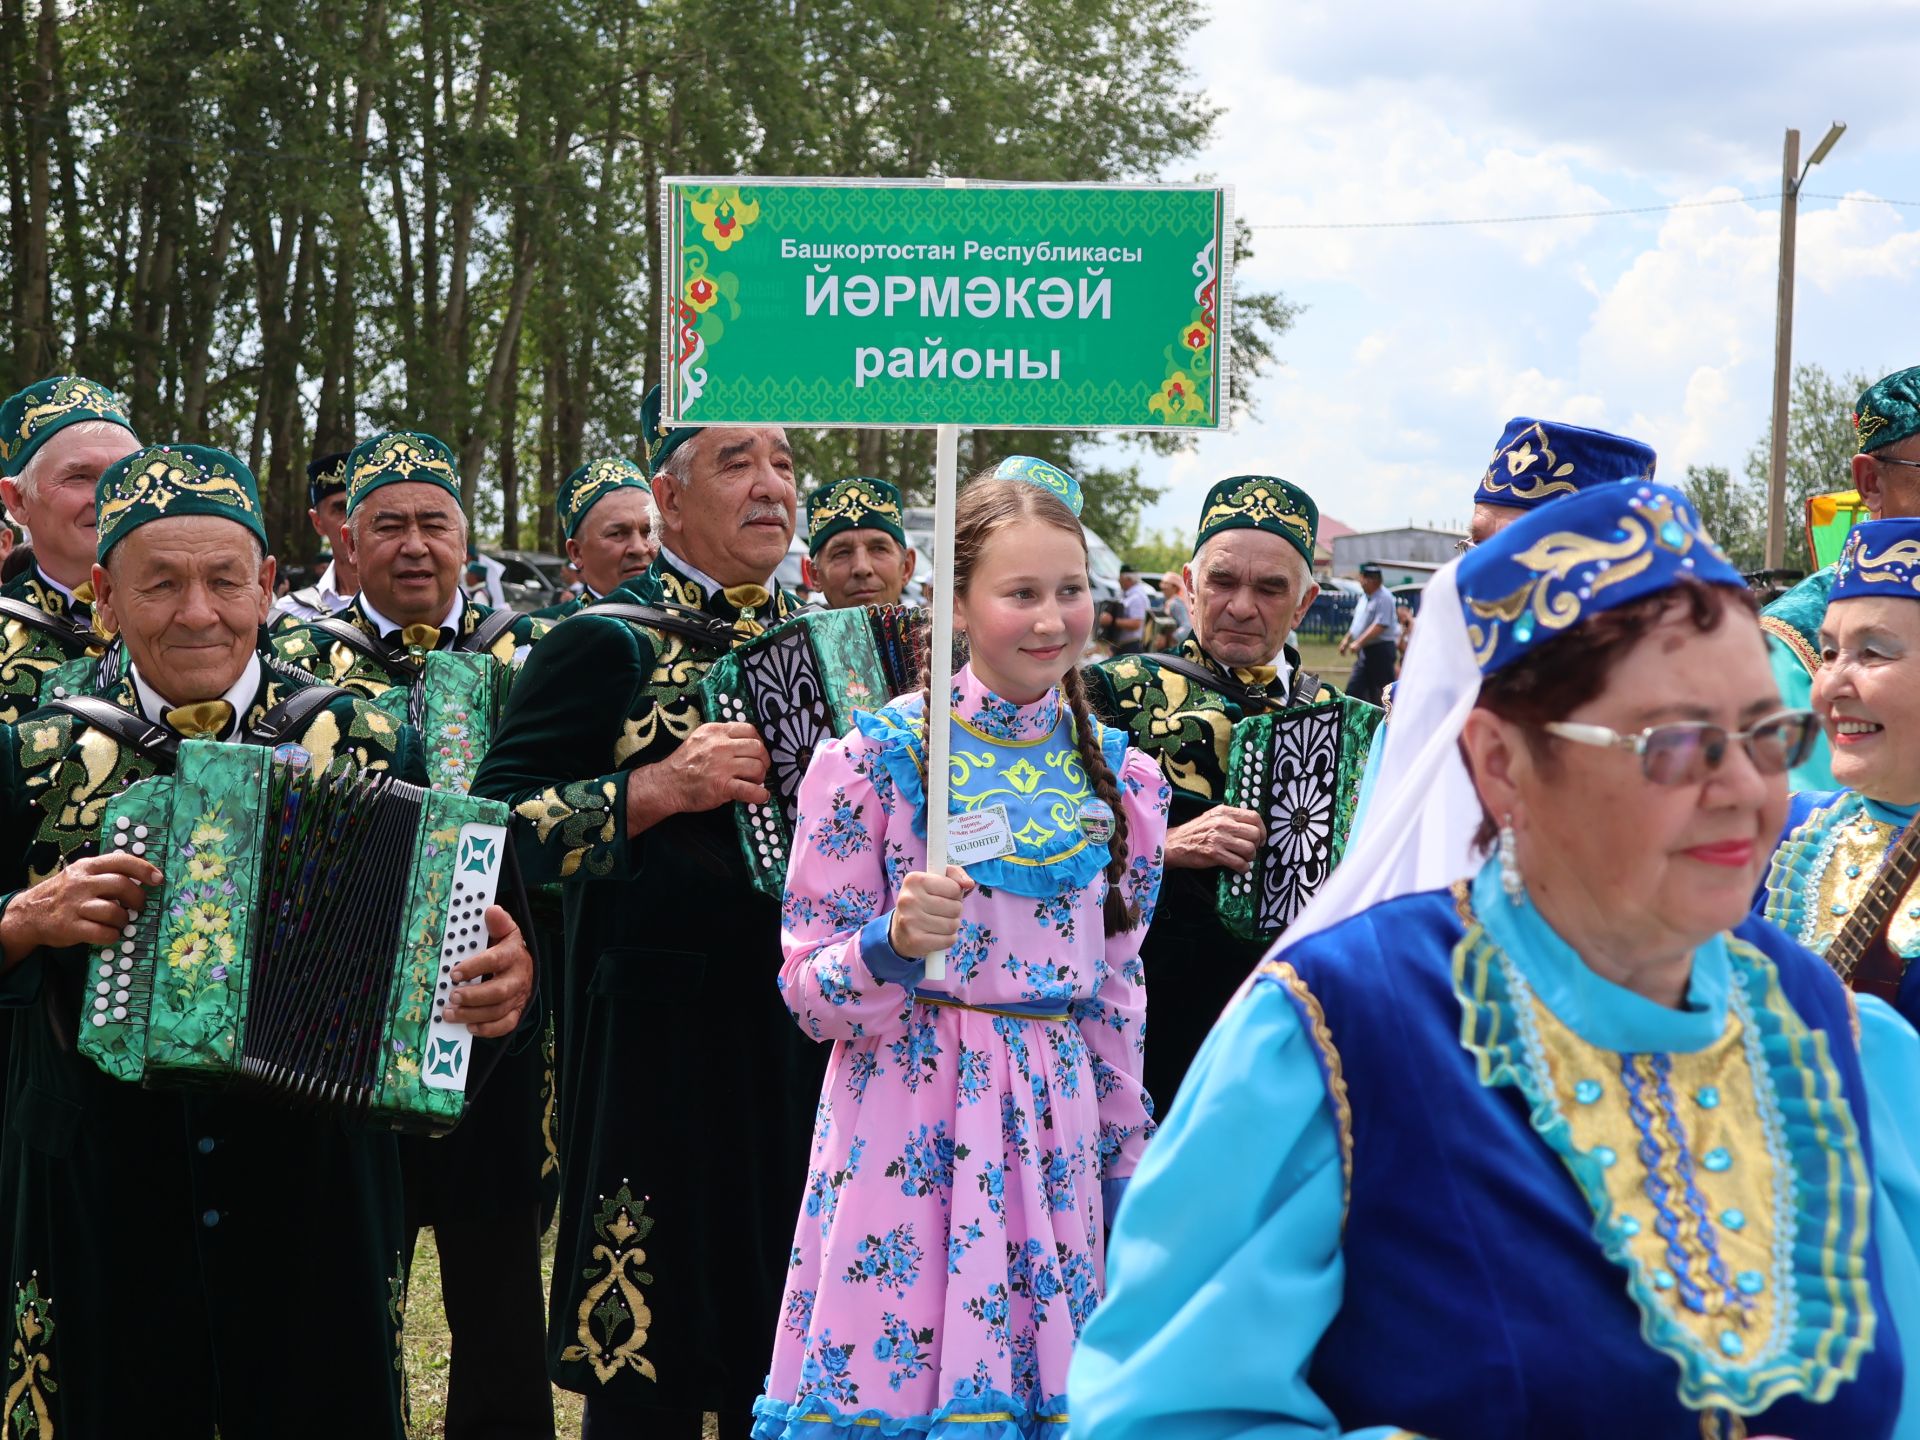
x=280 y=223
x=1734 y=512
x=1820 y=444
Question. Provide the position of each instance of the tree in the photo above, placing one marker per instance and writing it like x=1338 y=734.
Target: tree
x=1820 y=441
x=1733 y=511
x=281 y=225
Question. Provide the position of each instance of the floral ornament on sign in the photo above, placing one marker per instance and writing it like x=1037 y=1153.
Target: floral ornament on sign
x=707 y=301
x=1183 y=396
x=1178 y=400
x=724 y=216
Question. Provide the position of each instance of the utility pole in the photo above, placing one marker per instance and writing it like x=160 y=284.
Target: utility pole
x=1792 y=176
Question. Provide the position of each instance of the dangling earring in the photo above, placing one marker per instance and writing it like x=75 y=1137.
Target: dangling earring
x=1510 y=878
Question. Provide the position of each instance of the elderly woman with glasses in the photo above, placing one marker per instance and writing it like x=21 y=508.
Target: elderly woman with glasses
x=1840 y=883
x=1573 y=1147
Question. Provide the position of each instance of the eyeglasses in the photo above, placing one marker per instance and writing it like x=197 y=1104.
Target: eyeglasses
x=1889 y=460
x=1686 y=752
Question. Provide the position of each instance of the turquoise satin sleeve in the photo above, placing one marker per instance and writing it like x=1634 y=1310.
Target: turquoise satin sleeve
x=1372 y=773
x=1796 y=692
x=1890 y=1058
x=1220 y=1238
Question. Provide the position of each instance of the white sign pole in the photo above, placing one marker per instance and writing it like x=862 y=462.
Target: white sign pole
x=946 y=482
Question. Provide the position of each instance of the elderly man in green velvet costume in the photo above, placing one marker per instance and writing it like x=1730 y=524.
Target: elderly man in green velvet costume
x=483 y=1188
x=1886 y=472
x=181 y=1261
x=1251 y=577
x=687 y=1091
x=56 y=437
x=857 y=550
x=605 y=509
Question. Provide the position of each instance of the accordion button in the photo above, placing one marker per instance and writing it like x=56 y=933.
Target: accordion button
x=210 y=1218
x=103 y=987
x=119 y=1012
x=106 y=971
x=204 y=1145
x=138 y=848
x=119 y=998
x=126 y=947
x=126 y=962
x=99 y=1019
x=128 y=930
x=122 y=823
x=139 y=832
x=101 y=1003
x=119 y=842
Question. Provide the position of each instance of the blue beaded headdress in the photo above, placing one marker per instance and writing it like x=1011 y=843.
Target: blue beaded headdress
x=1881 y=557
x=1043 y=473
x=1566 y=562
x=1541 y=460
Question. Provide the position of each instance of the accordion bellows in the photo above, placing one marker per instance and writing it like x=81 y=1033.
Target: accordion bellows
x=302 y=942
x=799 y=686
x=1300 y=772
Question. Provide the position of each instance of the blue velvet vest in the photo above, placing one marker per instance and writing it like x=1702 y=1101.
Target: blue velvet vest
x=1481 y=1299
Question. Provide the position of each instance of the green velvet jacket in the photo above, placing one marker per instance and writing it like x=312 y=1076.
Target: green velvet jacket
x=28 y=654
x=503 y=1157
x=687 y=1090
x=339 y=663
x=1186 y=727
x=206 y=1258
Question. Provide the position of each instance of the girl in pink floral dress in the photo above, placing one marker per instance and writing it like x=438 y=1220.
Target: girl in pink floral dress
x=974 y=1132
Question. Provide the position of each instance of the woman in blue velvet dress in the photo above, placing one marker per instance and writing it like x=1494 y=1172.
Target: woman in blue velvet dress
x=1867 y=695
x=1573 y=1148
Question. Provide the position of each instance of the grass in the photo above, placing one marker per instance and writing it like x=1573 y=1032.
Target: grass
x=429 y=1349
x=1326 y=661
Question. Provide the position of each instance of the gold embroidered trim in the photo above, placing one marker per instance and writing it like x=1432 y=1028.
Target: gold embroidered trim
x=1322 y=1038
x=1808 y=657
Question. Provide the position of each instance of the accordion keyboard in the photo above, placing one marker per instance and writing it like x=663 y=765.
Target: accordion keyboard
x=119 y=988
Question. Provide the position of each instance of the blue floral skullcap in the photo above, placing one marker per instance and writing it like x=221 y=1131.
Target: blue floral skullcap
x=1881 y=557
x=1541 y=460
x=1567 y=562
x=1046 y=475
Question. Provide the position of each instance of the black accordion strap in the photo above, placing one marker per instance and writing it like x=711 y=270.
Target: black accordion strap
x=689 y=624
x=286 y=717
x=156 y=742
x=488 y=631
x=1212 y=679
x=34 y=618
x=355 y=638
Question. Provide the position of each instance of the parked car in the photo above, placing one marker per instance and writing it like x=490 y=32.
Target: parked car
x=531 y=579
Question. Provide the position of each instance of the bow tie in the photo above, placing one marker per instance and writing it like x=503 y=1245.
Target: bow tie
x=419 y=639
x=1256 y=677
x=206 y=720
x=747 y=599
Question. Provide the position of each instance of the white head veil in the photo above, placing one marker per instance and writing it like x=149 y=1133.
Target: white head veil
x=1418 y=827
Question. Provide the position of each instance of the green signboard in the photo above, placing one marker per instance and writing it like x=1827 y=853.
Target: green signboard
x=824 y=303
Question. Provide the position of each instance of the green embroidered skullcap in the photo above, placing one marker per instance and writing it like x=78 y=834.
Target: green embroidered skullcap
x=48 y=406
x=163 y=481
x=660 y=443
x=1260 y=502
x=592 y=483
x=397 y=456
x=1889 y=411
x=858 y=503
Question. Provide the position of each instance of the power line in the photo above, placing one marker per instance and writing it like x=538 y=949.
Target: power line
x=1571 y=214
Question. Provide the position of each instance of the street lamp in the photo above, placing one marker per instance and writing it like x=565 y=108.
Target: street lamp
x=1792 y=175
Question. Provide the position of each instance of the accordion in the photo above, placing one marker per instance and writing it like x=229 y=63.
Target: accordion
x=456 y=706
x=1300 y=772
x=302 y=942
x=799 y=686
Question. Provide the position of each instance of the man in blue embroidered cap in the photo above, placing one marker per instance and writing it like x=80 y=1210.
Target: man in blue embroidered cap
x=857 y=550
x=327 y=514
x=56 y=437
x=1251 y=579
x=1886 y=472
x=1569 y=1051
x=605 y=510
x=1539 y=461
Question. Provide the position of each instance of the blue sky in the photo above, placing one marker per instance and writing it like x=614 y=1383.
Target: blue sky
x=1416 y=345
